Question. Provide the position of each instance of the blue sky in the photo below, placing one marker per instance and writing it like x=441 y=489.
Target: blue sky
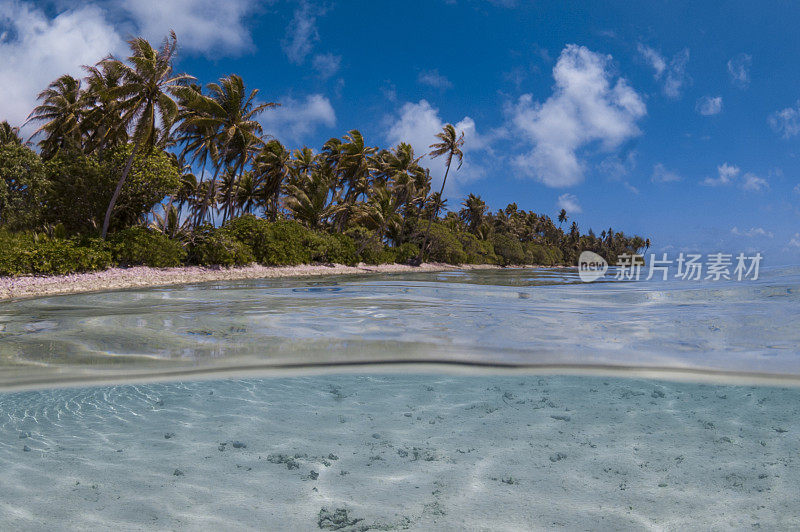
x=675 y=120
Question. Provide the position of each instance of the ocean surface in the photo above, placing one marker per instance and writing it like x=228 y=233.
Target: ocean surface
x=477 y=400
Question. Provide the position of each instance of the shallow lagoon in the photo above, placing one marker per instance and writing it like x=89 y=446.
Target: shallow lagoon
x=407 y=445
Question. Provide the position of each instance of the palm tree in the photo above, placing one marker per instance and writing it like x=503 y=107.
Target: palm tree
x=473 y=212
x=273 y=168
x=247 y=193
x=379 y=211
x=146 y=94
x=9 y=134
x=226 y=118
x=450 y=146
x=562 y=217
x=310 y=200
x=103 y=124
x=62 y=109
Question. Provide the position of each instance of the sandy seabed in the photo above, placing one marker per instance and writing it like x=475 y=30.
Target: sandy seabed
x=137 y=277
x=397 y=452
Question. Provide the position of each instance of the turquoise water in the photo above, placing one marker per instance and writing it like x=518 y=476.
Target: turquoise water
x=552 y=404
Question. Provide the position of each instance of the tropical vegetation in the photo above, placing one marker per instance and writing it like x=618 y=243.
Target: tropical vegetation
x=137 y=163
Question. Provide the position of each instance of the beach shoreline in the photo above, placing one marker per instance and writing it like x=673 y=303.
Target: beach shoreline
x=12 y=288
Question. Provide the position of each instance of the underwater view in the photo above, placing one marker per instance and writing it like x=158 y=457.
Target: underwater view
x=448 y=401
x=457 y=265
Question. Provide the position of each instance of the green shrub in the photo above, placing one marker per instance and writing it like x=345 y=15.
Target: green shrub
x=327 y=248
x=272 y=243
x=508 y=249
x=80 y=187
x=443 y=246
x=23 y=186
x=29 y=254
x=477 y=251
x=284 y=245
x=216 y=247
x=406 y=253
x=369 y=247
x=139 y=246
x=537 y=254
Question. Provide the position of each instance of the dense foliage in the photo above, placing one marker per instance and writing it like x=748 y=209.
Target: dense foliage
x=177 y=173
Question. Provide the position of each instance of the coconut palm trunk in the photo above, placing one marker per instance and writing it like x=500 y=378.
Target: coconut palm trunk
x=434 y=215
x=450 y=146
x=118 y=190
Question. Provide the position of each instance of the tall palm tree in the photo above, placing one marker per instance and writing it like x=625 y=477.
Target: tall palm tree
x=62 y=110
x=562 y=217
x=226 y=118
x=102 y=124
x=273 y=167
x=146 y=95
x=450 y=146
x=310 y=200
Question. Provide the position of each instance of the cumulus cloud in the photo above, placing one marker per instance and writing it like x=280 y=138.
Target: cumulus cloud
x=739 y=69
x=754 y=183
x=587 y=107
x=662 y=175
x=432 y=78
x=36 y=49
x=795 y=241
x=728 y=174
x=752 y=233
x=569 y=202
x=202 y=26
x=786 y=122
x=725 y=175
x=708 y=105
x=295 y=119
x=418 y=123
x=672 y=72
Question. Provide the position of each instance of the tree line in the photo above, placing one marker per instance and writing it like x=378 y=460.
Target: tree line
x=134 y=143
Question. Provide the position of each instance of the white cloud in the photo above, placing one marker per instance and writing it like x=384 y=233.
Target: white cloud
x=326 y=65
x=672 y=72
x=752 y=233
x=654 y=59
x=726 y=173
x=708 y=105
x=795 y=241
x=786 y=121
x=754 y=183
x=586 y=108
x=569 y=202
x=301 y=33
x=796 y=189
x=203 y=26
x=418 y=124
x=618 y=166
x=662 y=175
x=36 y=49
x=296 y=119
x=739 y=69
x=432 y=78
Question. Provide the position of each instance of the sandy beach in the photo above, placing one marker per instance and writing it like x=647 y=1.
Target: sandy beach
x=395 y=452
x=137 y=277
